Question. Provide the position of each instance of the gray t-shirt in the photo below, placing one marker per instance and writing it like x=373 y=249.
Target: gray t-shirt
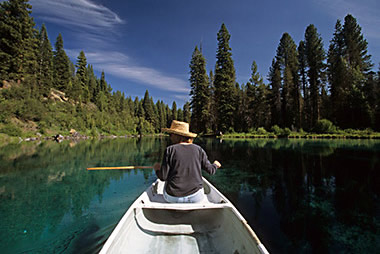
x=181 y=169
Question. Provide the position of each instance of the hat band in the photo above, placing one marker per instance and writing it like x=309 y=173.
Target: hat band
x=181 y=133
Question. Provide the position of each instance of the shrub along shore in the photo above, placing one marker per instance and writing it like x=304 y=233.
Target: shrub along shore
x=324 y=129
x=296 y=135
x=5 y=139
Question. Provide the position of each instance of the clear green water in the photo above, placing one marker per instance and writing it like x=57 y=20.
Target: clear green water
x=299 y=196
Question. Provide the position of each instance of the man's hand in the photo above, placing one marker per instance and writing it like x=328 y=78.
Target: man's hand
x=217 y=163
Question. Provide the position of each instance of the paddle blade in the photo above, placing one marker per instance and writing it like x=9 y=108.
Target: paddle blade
x=124 y=167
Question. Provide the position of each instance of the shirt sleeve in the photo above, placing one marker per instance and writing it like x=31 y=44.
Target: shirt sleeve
x=206 y=164
x=162 y=173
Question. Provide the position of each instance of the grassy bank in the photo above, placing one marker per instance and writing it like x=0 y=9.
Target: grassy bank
x=350 y=134
x=324 y=129
x=5 y=139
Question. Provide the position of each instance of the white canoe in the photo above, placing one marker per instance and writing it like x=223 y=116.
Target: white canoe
x=152 y=225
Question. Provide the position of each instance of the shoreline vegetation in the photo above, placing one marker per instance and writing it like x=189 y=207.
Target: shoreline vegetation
x=296 y=135
x=275 y=133
x=324 y=129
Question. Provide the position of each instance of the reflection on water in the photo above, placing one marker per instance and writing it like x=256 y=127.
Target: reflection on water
x=305 y=196
x=299 y=196
x=49 y=202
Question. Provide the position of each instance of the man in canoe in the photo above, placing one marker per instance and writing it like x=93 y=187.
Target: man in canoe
x=181 y=166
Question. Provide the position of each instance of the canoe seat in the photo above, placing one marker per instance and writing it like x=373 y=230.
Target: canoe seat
x=154 y=198
x=156 y=195
x=153 y=228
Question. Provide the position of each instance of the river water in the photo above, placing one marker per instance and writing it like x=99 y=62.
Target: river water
x=299 y=196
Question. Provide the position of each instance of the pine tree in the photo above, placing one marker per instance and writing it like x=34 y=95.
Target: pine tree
x=18 y=43
x=287 y=57
x=224 y=81
x=164 y=116
x=103 y=84
x=180 y=114
x=101 y=101
x=315 y=56
x=45 y=62
x=337 y=76
x=11 y=40
x=286 y=98
x=117 y=100
x=275 y=92
x=174 y=113
x=136 y=105
x=140 y=109
x=72 y=70
x=161 y=121
x=359 y=64
x=348 y=66
x=187 y=113
x=263 y=107
x=130 y=104
x=305 y=103
x=156 y=123
x=169 y=116
x=370 y=91
x=61 y=74
x=200 y=92
x=257 y=93
x=148 y=109
x=239 y=114
x=124 y=105
x=92 y=83
x=82 y=76
x=356 y=53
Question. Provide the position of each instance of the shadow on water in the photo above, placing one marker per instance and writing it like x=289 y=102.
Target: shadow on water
x=299 y=196
x=85 y=241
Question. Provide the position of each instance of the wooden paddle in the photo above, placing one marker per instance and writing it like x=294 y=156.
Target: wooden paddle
x=124 y=167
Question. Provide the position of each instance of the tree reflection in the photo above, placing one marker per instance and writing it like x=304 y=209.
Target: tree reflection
x=324 y=192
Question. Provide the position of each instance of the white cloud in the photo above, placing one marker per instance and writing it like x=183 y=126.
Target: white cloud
x=120 y=65
x=147 y=76
x=182 y=97
x=367 y=12
x=92 y=21
x=76 y=13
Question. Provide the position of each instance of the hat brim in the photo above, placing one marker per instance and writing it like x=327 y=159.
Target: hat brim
x=185 y=134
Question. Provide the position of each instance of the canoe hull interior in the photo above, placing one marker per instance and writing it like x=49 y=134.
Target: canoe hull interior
x=153 y=226
x=214 y=230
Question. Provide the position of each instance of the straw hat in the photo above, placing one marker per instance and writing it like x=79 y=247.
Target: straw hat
x=180 y=128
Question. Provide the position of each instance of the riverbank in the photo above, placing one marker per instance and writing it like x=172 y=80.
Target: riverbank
x=300 y=136
x=73 y=135
x=286 y=133
x=6 y=139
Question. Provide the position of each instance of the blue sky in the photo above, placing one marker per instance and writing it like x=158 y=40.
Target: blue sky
x=147 y=44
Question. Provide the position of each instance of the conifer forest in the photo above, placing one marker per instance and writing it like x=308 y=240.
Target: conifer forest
x=309 y=86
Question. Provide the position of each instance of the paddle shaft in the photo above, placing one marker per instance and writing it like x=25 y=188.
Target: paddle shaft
x=124 y=167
